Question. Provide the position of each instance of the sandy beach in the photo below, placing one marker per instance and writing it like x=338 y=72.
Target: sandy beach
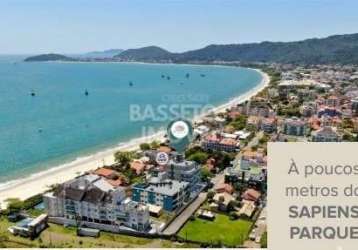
x=40 y=182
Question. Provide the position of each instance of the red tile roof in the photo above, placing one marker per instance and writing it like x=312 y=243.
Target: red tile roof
x=165 y=149
x=251 y=195
x=105 y=172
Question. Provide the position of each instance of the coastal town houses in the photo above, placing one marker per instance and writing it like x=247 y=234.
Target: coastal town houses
x=221 y=201
x=329 y=111
x=268 y=125
x=89 y=200
x=252 y=158
x=111 y=176
x=308 y=109
x=224 y=187
x=217 y=141
x=254 y=122
x=251 y=195
x=253 y=166
x=325 y=134
x=294 y=126
x=258 y=107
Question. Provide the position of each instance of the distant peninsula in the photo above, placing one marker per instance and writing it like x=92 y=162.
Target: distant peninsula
x=337 y=49
x=102 y=54
x=49 y=57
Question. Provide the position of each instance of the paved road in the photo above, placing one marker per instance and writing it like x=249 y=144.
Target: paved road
x=174 y=227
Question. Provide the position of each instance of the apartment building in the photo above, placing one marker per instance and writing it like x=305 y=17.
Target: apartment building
x=91 y=200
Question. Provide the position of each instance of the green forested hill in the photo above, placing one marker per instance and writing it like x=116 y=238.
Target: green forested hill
x=334 y=49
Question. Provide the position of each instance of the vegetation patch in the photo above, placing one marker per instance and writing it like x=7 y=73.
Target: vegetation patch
x=221 y=231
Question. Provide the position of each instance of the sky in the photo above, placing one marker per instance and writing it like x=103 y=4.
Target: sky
x=77 y=26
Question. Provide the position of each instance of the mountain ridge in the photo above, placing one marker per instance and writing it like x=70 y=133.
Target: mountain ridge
x=340 y=49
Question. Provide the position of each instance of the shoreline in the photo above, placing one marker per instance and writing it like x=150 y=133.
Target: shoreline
x=40 y=182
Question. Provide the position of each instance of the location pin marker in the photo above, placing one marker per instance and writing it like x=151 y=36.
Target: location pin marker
x=180 y=133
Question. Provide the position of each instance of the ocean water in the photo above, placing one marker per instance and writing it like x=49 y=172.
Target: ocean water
x=61 y=123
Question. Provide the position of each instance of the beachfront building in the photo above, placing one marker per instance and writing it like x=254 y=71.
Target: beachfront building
x=168 y=194
x=294 y=126
x=30 y=227
x=218 y=142
x=89 y=200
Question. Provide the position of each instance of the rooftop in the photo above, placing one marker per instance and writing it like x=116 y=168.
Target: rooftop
x=168 y=187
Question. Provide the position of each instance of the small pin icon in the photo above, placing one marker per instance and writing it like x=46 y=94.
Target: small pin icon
x=162 y=158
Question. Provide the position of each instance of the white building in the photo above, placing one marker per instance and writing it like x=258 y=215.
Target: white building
x=91 y=201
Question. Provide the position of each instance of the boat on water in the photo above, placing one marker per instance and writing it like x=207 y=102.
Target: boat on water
x=187 y=75
x=33 y=93
x=131 y=83
x=86 y=93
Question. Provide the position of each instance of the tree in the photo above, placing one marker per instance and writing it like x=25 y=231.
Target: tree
x=239 y=123
x=223 y=159
x=239 y=187
x=193 y=150
x=199 y=157
x=3 y=238
x=264 y=139
x=14 y=205
x=347 y=123
x=155 y=144
x=221 y=199
x=263 y=240
x=205 y=174
x=124 y=158
x=144 y=146
x=348 y=137
x=231 y=206
x=210 y=195
x=233 y=215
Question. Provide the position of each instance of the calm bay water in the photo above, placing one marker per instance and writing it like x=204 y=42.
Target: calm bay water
x=61 y=123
